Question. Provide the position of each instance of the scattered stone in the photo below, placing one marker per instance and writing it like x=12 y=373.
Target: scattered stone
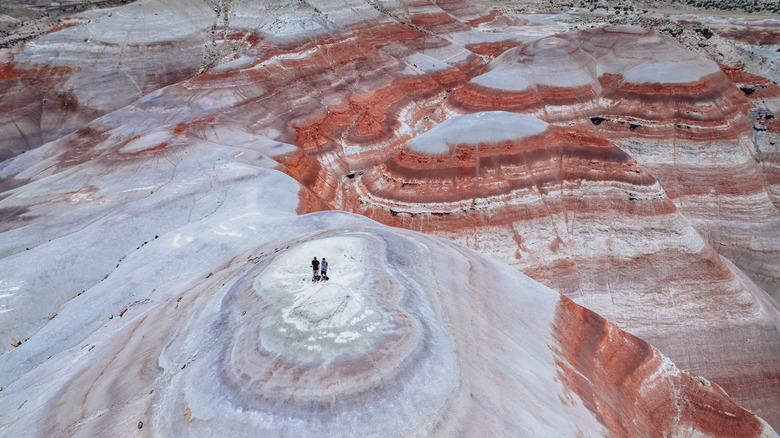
x=52 y=315
x=140 y=424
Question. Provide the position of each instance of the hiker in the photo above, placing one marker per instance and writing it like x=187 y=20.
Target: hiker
x=315 y=264
x=324 y=270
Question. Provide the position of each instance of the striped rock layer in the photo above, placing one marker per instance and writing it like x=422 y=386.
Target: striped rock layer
x=765 y=95
x=675 y=112
x=179 y=210
x=575 y=212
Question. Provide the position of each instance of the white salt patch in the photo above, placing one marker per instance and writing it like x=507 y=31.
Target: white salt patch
x=328 y=306
x=576 y=75
x=491 y=127
x=179 y=240
x=338 y=316
x=426 y=63
x=240 y=62
x=671 y=72
x=655 y=59
x=76 y=198
x=5 y=286
x=553 y=62
x=504 y=79
x=224 y=231
x=344 y=337
x=139 y=188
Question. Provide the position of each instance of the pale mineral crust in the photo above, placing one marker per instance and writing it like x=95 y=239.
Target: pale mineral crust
x=187 y=179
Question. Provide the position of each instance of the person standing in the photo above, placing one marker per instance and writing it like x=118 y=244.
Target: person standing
x=324 y=271
x=315 y=264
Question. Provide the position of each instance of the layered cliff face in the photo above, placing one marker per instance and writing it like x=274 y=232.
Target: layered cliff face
x=765 y=95
x=675 y=112
x=575 y=212
x=166 y=243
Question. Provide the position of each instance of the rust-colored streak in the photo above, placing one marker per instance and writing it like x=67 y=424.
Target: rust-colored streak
x=318 y=185
x=757 y=36
x=550 y=161
x=739 y=76
x=14 y=217
x=491 y=49
x=364 y=119
x=474 y=98
x=711 y=101
x=372 y=118
x=492 y=16
x=65 y=25
x=632 y=389
x=85 y=140
x=29 y=77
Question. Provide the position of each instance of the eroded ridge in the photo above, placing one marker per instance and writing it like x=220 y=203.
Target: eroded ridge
x=642 y=82
x=536 y=196
x=628 y=373
x=672 y=110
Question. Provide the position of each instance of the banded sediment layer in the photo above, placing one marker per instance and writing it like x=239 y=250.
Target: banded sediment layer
x=672 y=110
x=157 y=230
x=573 y=211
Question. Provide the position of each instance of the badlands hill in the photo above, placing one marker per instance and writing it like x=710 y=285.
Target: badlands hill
x=169 y=170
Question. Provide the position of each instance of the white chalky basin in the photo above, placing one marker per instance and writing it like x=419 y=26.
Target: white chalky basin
x=369 y=336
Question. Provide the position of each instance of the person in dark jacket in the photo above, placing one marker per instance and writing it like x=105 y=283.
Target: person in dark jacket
x=315 y=264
